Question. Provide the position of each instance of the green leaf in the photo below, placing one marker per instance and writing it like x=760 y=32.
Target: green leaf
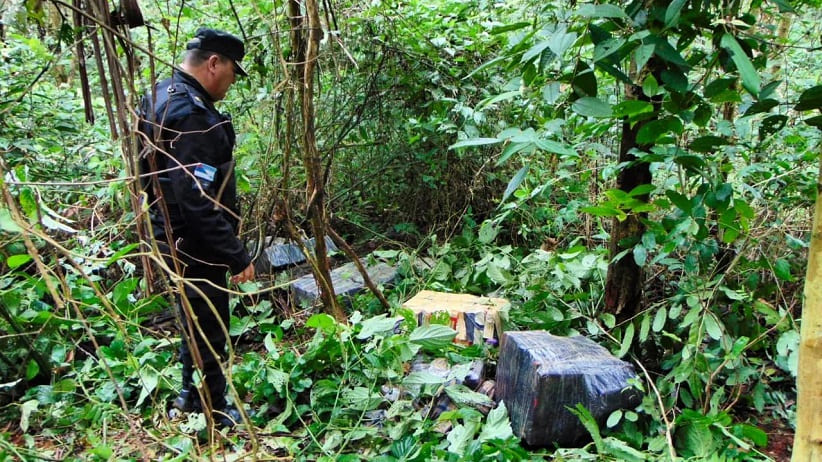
x=627 y=340
x=664 y=50
x=561 y=41
x=149 y=379
x=632 y=107
x=25 y=413
x=32 y=369
x=590 y=106
x=604 y=211
x=642 y=54
x=497 y=425
x=682 y=202
x=784 y=6
x=535 y=51
x=488 y=232
x=584 y=81
x=614 y=418
x=712 y=327
x=659 y=319
x=759 y=437
x=122 y=252
x=512 y=149
x=761 y=106
x=464 y=396
x=509 y=27
x=590 y=424
x=607 y=48
x=771 y=125
x=782 y=269
x=474 y=142
x=515 y=182
x=640 y=255
x=672 y=13
x=708 y=143
x=717 y=86
x=601 y=11
x=271 y=347
x=650 y=86
x=750 y=78
x=496 y=99
x=7 y=223
x=810 y=99
x=423 y=378
x=433 y=336
x=655 y=129
x=322 y=321
x=556 y=148
x=16 y=261
x=814 y=121
x=377 y=325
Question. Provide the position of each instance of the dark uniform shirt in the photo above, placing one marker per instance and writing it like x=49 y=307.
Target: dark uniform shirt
x=199 y=187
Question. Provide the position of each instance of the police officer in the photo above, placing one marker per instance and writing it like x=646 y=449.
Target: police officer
x=193 y=197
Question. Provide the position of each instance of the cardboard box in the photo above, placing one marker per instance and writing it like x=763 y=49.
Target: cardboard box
x=476 y=319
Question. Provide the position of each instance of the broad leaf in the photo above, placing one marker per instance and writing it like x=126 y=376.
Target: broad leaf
x=497 y=426
x=601 y=11
x=750 y=78
x=474 y=142
x=810 y=99
x=515 y=182
x=707 y=143
x=592 y=107
x=432 y=336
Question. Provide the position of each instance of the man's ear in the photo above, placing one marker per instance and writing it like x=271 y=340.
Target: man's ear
x=213 y=60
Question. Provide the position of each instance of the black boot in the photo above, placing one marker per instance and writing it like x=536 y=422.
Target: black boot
x=227 y=417
x=187 y=401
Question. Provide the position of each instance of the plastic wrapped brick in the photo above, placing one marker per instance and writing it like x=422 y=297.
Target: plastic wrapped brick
x=540 y=376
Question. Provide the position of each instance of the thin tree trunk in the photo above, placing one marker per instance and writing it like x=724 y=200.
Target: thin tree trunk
x=315 y=190
x=807 y=443
x=623 y=284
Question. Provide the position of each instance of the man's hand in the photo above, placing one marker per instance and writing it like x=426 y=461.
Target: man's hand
x=245 y=275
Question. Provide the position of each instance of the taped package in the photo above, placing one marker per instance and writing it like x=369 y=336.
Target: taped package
x=476 y=319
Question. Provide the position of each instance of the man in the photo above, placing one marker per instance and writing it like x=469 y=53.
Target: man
x=194 y=215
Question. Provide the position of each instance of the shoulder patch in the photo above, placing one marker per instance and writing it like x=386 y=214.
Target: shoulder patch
x=197 y=101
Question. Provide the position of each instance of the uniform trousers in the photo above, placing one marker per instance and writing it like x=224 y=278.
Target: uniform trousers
x=205 y=331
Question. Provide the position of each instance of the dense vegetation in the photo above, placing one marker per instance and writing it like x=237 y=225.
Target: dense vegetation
x=641 y=173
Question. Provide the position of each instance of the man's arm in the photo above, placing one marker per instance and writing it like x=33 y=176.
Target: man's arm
x=207 y=224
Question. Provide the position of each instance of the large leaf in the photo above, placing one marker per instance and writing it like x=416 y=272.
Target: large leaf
x=607 y=48
x=497 y=426
x=592 y=107
x=673 y=11
x=556 y=148
x=515 y=182
x=561 y=41
x=7 y=223
x=433 y=336
x=474 y=142
x=708 y=143
x=601 y=11
x=810 y=99
x=377 y=325
x=584 y=82
x=462 y=395
x=750 y=78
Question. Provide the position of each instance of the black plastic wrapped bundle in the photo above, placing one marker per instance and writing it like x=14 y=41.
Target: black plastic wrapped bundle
x=540 y=375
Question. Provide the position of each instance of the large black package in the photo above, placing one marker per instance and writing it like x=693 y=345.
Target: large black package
x=540 y=376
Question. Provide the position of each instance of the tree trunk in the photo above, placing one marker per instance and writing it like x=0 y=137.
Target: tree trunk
x=807 y=443
x=315 y=188
x=623 y=284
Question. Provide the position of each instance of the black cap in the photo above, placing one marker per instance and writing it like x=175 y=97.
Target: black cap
x=220 y=42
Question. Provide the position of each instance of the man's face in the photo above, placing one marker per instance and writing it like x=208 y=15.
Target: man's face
x=223 y=76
